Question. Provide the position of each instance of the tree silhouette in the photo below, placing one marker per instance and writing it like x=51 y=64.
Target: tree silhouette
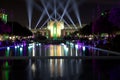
x=114 y=16
x=4 y=28
x=17 y=29
x=103 y=25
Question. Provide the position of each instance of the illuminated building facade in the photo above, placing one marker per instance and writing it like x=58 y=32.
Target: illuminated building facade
x=55 y=28
x=3 y=15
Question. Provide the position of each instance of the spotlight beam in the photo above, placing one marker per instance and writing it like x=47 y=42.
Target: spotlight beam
x=69 y=17
x=30 y=9
x=37 y=6
x=46 y=20
x=77 y=13
x=59 y=16
x=55 y=8
x=64 y=20
x=67 y=5
x=55 y=13
x=45 y=7
x=66 y=23
x=41 y=17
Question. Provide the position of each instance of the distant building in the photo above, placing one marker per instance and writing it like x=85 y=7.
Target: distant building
x=56 y=29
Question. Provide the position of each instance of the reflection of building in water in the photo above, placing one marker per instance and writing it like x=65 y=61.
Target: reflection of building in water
x=56 y=67
x=55 y=50
x=5 y=71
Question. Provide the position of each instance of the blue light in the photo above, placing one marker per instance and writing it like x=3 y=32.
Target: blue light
x=15 y=47
x=18 y=46
x=8 y=48
x=21 y=49
x=39 y=44
x=83 y=48
x=62 y=44
x=76 y=46
x=21 y=45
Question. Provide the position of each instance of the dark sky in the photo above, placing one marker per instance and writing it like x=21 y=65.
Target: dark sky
x=17 y=10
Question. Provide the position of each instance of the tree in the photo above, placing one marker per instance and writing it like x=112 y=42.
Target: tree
x=86 y=30
x=103 y=25
x=18 y=29
x=114 y=16
x=4 y=28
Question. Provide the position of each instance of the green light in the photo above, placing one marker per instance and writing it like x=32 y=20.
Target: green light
x=6 y=64
x=4 y=17
x=21 y=50
x=68 y=33
x=55 y=30
x=6 y=75
x=47 y=35
x=102 y=14
x=7 y=51
x=6 y=71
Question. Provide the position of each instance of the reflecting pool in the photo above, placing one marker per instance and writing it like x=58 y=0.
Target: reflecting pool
x=56 y=69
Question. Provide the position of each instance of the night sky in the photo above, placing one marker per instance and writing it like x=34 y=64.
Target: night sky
x=17 y=10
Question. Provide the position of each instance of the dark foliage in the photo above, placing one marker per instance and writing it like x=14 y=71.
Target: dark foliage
x=86 y=30
x=4 y=28
x=17 y=29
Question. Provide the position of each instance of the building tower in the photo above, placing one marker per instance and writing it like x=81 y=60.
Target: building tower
x=3 y=15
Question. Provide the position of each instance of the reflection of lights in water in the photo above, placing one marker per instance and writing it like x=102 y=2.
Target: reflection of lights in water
x=56 y=67
x=8 y=51
x=30 y=44
x=61 y=67
x=29 y=47
x=79 y=46
x=76 y=46
x=29 y=70
x=24 y=44
x=6 y=64
x=62 y=44
x=51 y=67
x=55 y=50
x=33 y=53
x=67 y=42
x=66 y=50
x=21 y=50
x=15 y=47
x=39 y=50
x=76 y=54
x=8 y=48
x=83 y=48
x=33 y=67
x=21 y=45
x=71 y=52
x=39 y=44
x=71 y=44
x=5 y=72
